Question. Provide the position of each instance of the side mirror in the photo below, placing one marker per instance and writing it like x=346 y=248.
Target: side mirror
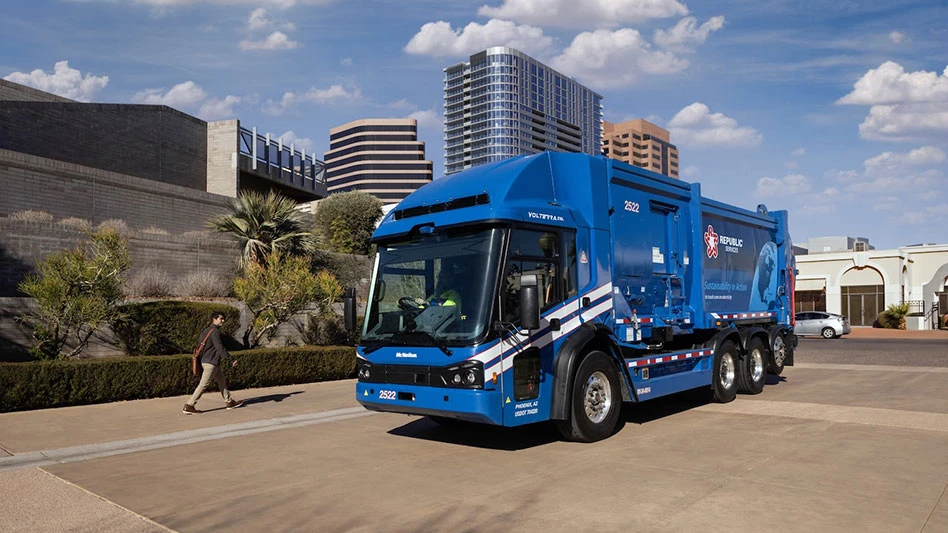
x=349 y=309
x=529 y=302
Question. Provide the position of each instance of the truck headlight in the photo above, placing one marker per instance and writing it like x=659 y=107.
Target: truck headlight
x=466 y=375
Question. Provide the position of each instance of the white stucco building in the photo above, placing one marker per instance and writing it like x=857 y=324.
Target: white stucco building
x=861 y=284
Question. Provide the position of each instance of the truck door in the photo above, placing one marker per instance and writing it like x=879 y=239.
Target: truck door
x=667 y=258
x=550 y=255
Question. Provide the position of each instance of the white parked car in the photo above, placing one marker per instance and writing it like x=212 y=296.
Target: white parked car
x=826 y=325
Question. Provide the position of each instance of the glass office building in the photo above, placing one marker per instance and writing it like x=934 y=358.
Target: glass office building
x=504 y=103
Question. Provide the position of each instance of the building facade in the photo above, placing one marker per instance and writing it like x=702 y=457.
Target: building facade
x=503 y=103
x=640 y=143
x=862 y=283
x=382 y=157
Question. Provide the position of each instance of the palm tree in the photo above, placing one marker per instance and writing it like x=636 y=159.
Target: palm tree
x=265 y=223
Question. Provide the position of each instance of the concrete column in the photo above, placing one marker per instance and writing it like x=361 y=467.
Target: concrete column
x=222 y=154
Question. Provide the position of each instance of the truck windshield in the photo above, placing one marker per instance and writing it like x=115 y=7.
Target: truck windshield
x=434 y=289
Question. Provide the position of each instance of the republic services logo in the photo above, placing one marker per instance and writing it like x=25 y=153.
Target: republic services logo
x=711 y=239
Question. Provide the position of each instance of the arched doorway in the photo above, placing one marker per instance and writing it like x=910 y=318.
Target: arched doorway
x=863 y=295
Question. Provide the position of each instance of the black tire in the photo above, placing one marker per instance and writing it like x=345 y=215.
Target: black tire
x=725 y=371
x=778 y=354
x=595 y=400
x=753 y=367
x=828 y=333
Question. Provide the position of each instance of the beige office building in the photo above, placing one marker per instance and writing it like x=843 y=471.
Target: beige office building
x=640 y=143
x=380 y=156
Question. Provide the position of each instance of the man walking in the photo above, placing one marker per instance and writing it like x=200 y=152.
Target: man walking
x=211 y=357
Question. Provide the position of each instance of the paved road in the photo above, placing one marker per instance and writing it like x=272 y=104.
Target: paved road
x=833 y=445
x=899 y=352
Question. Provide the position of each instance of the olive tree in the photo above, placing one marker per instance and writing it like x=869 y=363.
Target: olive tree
x=280 y=288
x=77 y=292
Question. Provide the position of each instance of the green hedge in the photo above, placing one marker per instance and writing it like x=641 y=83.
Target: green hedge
x=45 y=384
x=170 y=327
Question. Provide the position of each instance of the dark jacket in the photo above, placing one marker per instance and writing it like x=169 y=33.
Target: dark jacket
x=214 y=349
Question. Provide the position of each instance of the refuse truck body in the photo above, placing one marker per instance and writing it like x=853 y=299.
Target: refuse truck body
x=559 y=286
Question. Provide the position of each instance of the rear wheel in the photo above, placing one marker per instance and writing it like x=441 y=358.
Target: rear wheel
x=778 y=354
x=595 y=400
x=724 y=380
x=753 y=367
x=828 y=333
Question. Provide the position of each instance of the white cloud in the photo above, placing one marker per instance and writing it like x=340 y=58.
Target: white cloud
x=346 y=61
x=690 y=172
x=438 y=39
x=890 y=162
x=275 y=41
x=65 y=81
x=428 y=119
x=219 y=109
x=300 y=143
x=687 y=33
x=890 y=84
x=258 y=20
x=575 y=14
x=695 y=125
x=792 y=184
x=896 y=37
x=183 y=95
x=606 y=58
x=905 y=106
x=798 y=152
x=333 y=94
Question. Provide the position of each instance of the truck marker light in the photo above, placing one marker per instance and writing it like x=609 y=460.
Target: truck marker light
x=494 y=378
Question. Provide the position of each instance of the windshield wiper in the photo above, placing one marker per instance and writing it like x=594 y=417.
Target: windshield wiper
x=431 y=338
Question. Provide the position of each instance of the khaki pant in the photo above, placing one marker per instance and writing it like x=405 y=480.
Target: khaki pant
x=216 y=373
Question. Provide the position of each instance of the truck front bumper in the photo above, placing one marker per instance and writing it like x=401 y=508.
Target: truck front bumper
x=473 y=405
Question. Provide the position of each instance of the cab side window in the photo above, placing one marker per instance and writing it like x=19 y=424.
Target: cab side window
x=538 y=253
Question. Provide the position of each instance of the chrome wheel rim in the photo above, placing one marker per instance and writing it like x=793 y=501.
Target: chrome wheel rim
x=780 y=351
x=597 y=397
x=726 y=374
x=757 y=365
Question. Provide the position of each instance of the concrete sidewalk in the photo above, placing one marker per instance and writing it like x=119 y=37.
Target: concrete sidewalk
x=87 y=425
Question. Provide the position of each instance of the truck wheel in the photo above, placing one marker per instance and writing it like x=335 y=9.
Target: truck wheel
x=724 y=379
x=753 y=368
x=828 y=333
x=778 y=354
x=595 y=400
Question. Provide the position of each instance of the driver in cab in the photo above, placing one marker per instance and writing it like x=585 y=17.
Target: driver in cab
x=445 y=293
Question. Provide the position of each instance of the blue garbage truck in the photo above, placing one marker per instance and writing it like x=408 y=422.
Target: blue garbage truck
x=559 y=286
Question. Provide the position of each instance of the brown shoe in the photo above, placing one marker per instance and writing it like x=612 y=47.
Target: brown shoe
x=189 y=410
x=233 y=404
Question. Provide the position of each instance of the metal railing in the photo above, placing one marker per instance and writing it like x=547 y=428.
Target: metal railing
x=280 y=162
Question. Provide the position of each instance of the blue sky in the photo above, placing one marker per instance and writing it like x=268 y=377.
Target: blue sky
x=836 y=111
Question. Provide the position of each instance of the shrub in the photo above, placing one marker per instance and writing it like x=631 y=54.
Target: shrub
x=45 y=384
x=345 y=221
x=170 y=327
x=330 y=330
x=116 y=224
x=149 y=282
x=76 y=222
x=32 y=216
x=155 y=230
x=204 y=284
x=893 y=317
